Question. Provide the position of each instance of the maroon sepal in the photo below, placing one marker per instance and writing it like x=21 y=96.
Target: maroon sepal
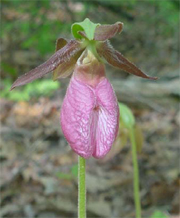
x=62 y=55
x=105 y=32
x=116 y=59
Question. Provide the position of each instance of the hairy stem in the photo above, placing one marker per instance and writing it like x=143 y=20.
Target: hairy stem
x=136 y=175
x=81 y=187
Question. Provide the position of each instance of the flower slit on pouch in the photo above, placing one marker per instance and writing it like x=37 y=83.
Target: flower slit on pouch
x=90 y=114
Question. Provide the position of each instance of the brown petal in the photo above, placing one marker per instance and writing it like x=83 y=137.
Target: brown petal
x=104 y=32
x=66 y=68
x=59 y=57
x=60 y=43
x=116 y=59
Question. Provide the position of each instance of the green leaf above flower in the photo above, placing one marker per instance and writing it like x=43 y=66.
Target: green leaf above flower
x=87 y=26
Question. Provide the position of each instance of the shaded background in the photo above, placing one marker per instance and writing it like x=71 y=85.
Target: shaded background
x=38 y=168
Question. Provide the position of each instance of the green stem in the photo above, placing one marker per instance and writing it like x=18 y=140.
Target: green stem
x=81 y=187
x=136 y=175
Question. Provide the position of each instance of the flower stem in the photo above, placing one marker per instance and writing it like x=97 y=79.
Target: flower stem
x=136 y=174
x=81 y=187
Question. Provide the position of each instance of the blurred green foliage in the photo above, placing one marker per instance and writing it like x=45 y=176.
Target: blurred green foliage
x=8 y=68
x=158 y=214
x=71 y=175
x=32 y=90
x=74 y=170
x=36 y=30
x=45 y=44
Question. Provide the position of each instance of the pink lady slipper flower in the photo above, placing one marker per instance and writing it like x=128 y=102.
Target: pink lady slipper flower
x=90 y=113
